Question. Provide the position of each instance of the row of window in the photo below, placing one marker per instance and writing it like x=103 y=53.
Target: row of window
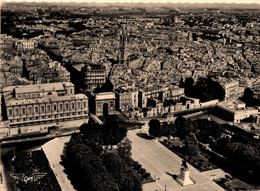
x=95 y=81
x=46 y=117
x=43 y=109
x=33 y=95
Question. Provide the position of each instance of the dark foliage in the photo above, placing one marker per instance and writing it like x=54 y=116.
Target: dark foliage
x=124 y=176
x=236 y=145
x=188 y=86
x=89 y=166
x=191 y=144
x=205 y=89
x=107 y=134
x=249 y=99
x=85 y=168
x=32 y=162
x=184 y=127
x=157 y=129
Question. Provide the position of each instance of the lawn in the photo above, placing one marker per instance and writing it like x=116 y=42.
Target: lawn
x=198 y=161
x=238 y=185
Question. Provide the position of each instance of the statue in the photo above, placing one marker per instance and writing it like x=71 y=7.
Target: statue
x=184 y=165
x=184 y=178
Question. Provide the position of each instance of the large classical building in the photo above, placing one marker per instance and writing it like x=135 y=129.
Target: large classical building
x=44 y=102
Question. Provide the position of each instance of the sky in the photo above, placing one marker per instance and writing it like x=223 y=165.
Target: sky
x=144 y=1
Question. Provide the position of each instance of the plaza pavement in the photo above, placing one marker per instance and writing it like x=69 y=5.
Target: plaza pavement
x=164 y=165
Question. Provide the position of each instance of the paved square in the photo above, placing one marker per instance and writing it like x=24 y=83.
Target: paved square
x=164 y=164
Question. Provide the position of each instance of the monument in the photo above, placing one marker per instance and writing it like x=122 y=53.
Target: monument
x=184 y=178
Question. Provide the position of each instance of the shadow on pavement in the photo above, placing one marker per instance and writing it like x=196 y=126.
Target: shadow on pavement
x=174 y=176
x=144 y=135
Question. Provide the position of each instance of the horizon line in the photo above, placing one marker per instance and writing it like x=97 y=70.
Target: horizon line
x=125 y=2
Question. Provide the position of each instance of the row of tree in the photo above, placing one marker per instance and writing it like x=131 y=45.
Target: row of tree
x=205 y=130
x=91 y=166
x=181 y=128
x=107 y=134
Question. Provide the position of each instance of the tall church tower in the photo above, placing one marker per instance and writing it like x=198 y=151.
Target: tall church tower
x=122 y=57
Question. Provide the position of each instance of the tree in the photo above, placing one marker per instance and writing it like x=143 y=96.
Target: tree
x=179 y=123
x=155 y=128
x=124 y=176
x=172 y=129
x=191 y=144
x=165 y=129
x=182 y=84
x=107 y=134
x=249 y=99
x=124 y=148
x=184 y=127
x=207 y=90
x=87 y=169
x=208 y=130
x=189 y=87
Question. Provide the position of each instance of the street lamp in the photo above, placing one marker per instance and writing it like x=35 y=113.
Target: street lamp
x=14 y=154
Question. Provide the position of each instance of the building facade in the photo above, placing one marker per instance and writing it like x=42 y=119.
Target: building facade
x=25 y=45
x=47 y=108
x=160 y=93
x=231 y=90
x=104 y=103
x=234 y=111
x=44 y=102
x=94 y=76
x=123 y=99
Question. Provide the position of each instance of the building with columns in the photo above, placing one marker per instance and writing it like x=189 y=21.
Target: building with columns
x=43 y=103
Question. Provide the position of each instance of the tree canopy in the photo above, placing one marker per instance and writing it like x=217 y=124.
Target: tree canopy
x=205 y=89
x=107 y=134
x=90 y=166
x=86 y=168
x=249 y=99
x=191 y=144
x=235 y=144
x=157 y=129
